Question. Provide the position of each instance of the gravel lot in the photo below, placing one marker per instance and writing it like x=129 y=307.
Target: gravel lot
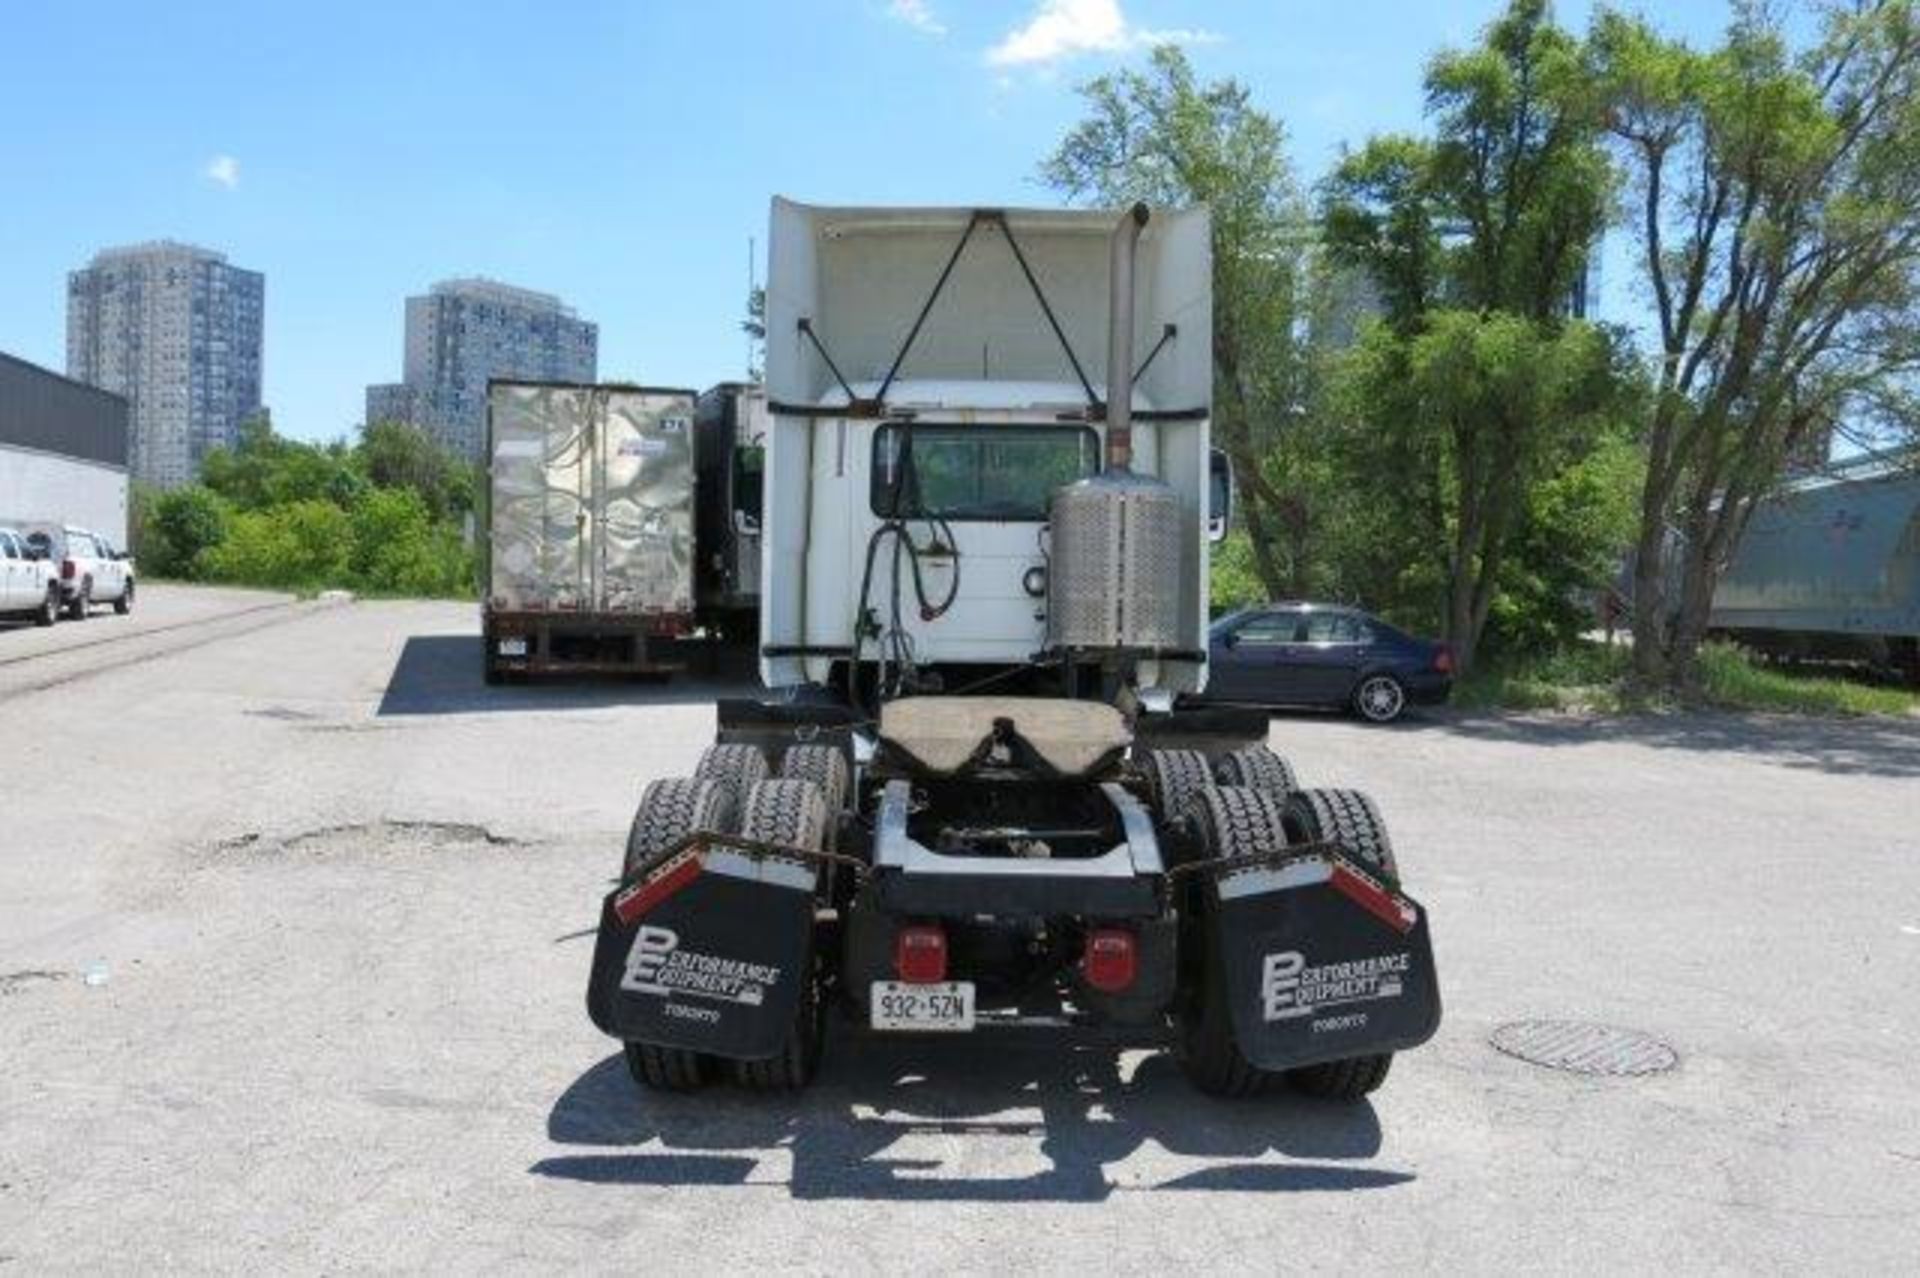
x=293 y=947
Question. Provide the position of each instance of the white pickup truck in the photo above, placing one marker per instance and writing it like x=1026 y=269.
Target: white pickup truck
x=91 y=570
x=29 y=584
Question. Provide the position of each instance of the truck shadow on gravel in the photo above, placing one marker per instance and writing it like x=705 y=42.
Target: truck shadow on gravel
x=441 y=674
x=895 y=1122
x=1883 y=747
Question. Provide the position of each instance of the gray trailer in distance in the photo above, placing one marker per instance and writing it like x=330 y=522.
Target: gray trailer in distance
x=1830 y=568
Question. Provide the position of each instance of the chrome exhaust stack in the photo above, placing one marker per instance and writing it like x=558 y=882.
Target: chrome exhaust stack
x=1122 y=251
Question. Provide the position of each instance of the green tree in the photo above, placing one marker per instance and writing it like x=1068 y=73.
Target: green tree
x=1161 y=136
x=183 y=528
x=1776 y=198
x=399 y=549
x=265 y=469
x=1477 y=389
x=1507 y=406
x=397 y=455
x=299 y=546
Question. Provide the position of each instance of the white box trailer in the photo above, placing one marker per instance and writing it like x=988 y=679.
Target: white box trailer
x=589 y=557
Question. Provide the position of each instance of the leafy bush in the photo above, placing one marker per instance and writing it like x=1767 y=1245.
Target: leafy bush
x=382 y=516
x=398 y=549
x=182 y=528
x=303 y=545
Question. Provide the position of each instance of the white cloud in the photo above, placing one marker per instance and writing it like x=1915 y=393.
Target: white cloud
x=223 y=171
x=916 y=14
x=1061 y=29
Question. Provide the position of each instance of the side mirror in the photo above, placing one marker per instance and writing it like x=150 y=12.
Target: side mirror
x=746 y=523
x=1231 y=639
x=1219 y=496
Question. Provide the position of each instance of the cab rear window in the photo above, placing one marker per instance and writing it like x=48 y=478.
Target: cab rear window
x=977 y=472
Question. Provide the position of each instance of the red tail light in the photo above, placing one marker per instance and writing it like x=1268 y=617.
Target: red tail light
x=1111 y=961
x=920 y=954
x=1443 y=660
x=66 y=570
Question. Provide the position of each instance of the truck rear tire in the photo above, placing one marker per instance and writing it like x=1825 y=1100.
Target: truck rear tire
x=737 y=768
x=789 y=810
x=1258 y=768
x=666 y=1069
x=1233 y=821
x=1348 y=1080
x=1175 y=777
x=670 y=809
x=1346 y=817
x=826 y=767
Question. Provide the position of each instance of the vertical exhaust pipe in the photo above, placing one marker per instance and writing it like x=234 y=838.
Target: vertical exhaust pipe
x=1121 y=252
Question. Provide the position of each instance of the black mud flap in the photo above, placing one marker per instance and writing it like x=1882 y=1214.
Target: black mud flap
x=1322 y=962
x=708 y=952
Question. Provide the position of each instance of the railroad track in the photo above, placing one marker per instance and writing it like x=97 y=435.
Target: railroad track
x=133 y=648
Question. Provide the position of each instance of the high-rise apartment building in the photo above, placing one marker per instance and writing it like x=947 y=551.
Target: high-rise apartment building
x=464 y=332
x=177 y=330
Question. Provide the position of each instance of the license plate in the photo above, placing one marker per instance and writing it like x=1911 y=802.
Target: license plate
x=945 y=1006
x=516 y=647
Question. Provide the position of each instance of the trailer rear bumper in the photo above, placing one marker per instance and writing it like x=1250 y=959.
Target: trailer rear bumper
x=539 y=643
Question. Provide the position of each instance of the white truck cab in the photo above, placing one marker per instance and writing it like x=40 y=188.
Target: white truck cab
x=958 y=413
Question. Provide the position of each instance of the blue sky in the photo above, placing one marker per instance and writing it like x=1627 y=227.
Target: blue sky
x=618 y=154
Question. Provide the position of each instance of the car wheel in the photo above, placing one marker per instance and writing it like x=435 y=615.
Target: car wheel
x=81 y=601
x=49 y=607
x=1379 y=698
x=124 y=604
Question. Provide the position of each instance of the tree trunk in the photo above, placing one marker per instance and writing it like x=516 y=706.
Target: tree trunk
x=1649 y=619
x=1265 y=563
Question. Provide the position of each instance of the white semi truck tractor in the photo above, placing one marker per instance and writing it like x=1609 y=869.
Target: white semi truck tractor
x=972 y=799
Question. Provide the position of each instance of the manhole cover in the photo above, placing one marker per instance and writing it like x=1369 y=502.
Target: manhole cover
x=1581 y=1047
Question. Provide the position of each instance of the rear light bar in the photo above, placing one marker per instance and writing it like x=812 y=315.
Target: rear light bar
x=1443 y=660
x=66 y=570
x=1111 y=960
x=920 y=953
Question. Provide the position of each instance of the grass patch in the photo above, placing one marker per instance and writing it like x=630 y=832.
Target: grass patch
x=1731 y=677
x=1592 y=677
x=1588 y=676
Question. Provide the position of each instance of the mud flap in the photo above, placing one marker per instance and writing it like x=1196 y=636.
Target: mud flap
x=707 y=952
x=1322 y=962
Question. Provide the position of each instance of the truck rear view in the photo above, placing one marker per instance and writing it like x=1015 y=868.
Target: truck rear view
x=979 y=805
x=589 y=554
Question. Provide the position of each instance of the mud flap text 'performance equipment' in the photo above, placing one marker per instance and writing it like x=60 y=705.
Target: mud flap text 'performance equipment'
x=1322 y=962
x=707 y=950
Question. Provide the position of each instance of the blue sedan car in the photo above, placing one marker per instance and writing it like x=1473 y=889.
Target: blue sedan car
x=1326 y=655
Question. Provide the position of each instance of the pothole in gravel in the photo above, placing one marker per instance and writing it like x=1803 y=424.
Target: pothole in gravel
x=1583 y=1047
x=283 y=714
x=17 y=982
x=371 y=836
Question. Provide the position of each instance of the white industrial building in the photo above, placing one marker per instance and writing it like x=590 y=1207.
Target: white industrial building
x=63 y=451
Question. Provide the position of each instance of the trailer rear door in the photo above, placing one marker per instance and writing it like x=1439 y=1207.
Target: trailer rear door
x=591 y=499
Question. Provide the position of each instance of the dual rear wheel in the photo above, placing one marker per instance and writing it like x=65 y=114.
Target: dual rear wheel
x=1251 y=805
x=733 y=792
